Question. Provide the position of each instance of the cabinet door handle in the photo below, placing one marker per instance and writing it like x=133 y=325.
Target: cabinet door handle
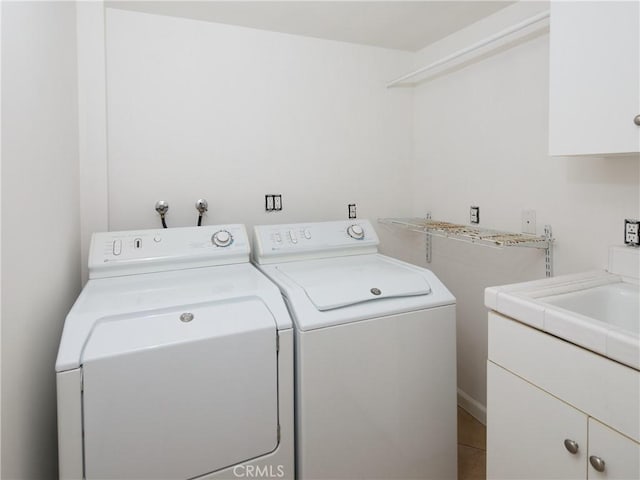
x=597 y=463
x=636 y=120
x=571 y=446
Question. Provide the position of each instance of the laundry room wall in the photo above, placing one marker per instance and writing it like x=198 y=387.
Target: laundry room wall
x=40 y=224
x=229 y=114
x=481 y=138
x=0 y=249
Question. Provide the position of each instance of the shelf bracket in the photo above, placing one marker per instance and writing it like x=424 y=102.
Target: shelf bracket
x=548 y=252
x=427 y=240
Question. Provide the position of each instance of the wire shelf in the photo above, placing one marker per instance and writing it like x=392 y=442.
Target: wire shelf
x=470 y=234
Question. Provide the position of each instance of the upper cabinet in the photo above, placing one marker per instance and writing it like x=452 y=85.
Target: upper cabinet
x=594 y=88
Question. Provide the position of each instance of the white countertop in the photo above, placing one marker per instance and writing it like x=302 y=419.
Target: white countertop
x=532 y=303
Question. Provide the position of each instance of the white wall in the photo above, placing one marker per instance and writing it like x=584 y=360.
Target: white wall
x=481 y=138
x=0 y=250
x=40 y=231
x=198 y=109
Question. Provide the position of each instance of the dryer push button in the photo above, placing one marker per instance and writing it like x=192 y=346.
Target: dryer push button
x=117 y=247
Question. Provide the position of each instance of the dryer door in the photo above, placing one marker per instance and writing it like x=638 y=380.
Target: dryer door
x=173 y=396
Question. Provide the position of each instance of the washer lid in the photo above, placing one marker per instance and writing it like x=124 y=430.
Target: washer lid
x=178 y=325
x=166 y=397
x=340 y=282
x=153 y=293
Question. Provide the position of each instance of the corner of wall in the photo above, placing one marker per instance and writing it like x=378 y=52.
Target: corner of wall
x=1 y=5
x=92 y=135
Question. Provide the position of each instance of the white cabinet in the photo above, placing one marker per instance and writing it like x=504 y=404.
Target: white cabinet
x=620 y=454
x=526 y=430
x=532 y=434
x=594 y=87
x=551 y=406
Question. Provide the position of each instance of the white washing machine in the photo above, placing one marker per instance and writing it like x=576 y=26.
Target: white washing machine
x=176 y=362
x=375 y=354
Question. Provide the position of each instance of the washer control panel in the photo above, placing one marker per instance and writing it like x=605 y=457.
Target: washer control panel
x=144 y=251
x=313 y=240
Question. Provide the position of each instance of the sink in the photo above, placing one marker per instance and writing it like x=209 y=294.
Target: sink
x=597 y=310
x=616 y=304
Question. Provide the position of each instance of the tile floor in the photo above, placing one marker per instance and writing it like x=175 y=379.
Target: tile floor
x=472 y=447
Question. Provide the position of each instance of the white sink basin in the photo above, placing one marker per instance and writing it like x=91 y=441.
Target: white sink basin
x=616 y=304
x=598 y=310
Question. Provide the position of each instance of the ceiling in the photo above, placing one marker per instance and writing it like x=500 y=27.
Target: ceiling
x=402 y=25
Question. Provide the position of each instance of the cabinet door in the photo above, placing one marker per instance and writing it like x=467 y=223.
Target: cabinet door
x=526 y=430
x=621 y=455
x=594 y=88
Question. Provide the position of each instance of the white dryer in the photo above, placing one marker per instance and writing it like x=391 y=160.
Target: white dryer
x=176 y=362
x=375 y=354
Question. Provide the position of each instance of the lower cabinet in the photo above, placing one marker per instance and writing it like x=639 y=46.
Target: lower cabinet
x=533 y=435
x=526 y=431
x=621 y=455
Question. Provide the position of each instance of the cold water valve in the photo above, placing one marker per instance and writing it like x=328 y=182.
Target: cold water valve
x=201 y=206
x=162 y=208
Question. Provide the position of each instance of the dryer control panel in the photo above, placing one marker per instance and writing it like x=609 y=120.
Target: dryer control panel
x=144 y=251
x=281 y=243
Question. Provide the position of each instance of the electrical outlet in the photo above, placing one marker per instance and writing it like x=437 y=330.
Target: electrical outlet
x=277 y=202
x=268 y=203
x=273 y=203
x=632 y=232
x=352 y=210
x=474 y=214
x=529 y=221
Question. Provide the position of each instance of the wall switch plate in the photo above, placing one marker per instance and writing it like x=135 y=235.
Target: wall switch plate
x=632 y=232
x=474 y=214
x=529 y=221
x=273 y=203
x=352 y=210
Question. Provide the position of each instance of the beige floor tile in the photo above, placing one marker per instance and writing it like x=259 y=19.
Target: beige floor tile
x=472 y=444
x=471 y=463
x=471 y=432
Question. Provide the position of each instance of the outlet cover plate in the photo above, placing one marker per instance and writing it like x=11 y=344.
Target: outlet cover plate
x=529 y=221
x=277 y=202
x=632 y=232
x=474 y=214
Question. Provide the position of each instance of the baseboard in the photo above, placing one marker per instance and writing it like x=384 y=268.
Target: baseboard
x=472 y=406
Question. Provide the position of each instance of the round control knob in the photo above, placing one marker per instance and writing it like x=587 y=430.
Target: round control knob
x=222 y=238
x=356 y=231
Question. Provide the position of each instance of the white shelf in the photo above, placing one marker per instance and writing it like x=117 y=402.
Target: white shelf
x=477 y=235
x=471 y=234
x=525 y=29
